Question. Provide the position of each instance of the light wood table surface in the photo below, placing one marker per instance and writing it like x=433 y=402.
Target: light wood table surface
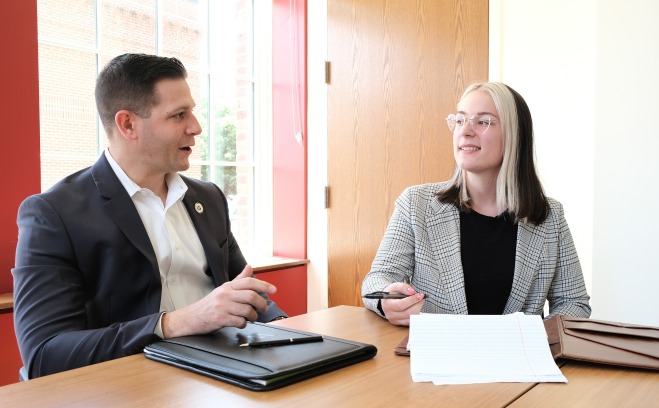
x=594 y=385
x=383 y=381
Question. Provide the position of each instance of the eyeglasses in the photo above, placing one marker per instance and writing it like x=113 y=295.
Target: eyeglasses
x=479 y=123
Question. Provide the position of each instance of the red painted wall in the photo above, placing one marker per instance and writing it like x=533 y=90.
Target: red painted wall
x=289 y=78
x=289 y=118
x=19 y=158
x=291 y=296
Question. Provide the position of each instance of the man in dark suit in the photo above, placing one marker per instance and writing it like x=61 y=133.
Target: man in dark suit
x=128 y=251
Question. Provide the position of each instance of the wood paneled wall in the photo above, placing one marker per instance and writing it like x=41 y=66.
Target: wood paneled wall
x=398 y=68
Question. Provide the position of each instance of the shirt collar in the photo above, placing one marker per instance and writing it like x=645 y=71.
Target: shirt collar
x=175 y=184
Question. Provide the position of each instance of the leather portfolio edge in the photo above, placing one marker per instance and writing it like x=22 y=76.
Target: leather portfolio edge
x=556 y=331
x=162 y=351
x=401 y=348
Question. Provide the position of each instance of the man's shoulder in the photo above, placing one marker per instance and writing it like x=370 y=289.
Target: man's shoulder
x=79 y=182
x=78 y=189
x=70 y=186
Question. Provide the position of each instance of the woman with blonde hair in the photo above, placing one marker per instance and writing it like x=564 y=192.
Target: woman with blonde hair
x=487 y=241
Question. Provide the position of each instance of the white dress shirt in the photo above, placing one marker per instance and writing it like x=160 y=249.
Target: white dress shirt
x=181 y=258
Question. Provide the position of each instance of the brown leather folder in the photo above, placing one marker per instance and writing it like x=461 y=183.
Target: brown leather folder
x=401 y=348
x=604 y=342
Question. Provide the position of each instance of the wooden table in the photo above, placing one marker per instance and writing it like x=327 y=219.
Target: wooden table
x=593 y=385
x=382 y=381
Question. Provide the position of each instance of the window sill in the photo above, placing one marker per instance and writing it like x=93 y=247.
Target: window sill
x=6 y=302
x=259 y=263
x=266 y=263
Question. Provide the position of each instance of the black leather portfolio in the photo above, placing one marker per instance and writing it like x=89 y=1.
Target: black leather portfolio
x=247 y=358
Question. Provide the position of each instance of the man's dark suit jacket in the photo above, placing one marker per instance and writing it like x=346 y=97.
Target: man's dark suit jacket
x=86 y=283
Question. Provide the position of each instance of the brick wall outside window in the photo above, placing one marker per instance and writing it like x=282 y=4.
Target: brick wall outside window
x=77 y=38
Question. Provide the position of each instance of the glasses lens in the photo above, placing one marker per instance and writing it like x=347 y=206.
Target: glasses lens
x=479 y=123
x=450 y=121
x=482 y=123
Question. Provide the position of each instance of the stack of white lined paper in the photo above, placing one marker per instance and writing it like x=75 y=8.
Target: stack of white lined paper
x=471 y=349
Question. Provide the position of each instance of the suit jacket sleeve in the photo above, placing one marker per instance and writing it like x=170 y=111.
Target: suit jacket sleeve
x=52 y=309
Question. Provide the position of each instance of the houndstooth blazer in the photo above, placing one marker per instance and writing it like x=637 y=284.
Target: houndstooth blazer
x=422 y=246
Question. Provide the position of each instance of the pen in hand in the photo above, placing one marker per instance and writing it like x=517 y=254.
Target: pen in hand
x=388 y=295
x=283 y=342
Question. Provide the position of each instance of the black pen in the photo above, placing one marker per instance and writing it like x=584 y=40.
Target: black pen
x=283 y=342
x=388 y=295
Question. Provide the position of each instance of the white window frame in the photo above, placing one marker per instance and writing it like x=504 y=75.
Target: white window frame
x=262 y=124
x=263 y=133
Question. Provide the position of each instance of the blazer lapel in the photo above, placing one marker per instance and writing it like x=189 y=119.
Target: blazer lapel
x=530 y=241
x=121 y=209
x=445 y=222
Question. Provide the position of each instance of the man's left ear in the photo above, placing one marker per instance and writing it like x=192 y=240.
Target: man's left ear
x=126 y=122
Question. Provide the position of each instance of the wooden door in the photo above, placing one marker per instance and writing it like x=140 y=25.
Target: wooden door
x=398 y=68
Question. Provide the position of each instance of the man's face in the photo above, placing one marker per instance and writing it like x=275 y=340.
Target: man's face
x=166 y=138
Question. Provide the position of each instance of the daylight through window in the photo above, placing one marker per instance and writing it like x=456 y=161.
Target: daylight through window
x=227 y=59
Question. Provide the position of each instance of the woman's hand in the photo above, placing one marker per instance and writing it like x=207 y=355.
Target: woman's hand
x=398 y=311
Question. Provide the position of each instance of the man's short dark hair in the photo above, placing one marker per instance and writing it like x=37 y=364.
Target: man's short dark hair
x=127 y=82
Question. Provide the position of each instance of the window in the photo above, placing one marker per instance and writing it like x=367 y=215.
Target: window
x=226 y=50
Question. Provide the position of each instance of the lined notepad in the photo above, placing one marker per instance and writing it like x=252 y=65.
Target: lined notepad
x=471 y=349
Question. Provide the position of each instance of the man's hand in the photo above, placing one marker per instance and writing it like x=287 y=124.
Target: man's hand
x=231 y=304
x=398 y=311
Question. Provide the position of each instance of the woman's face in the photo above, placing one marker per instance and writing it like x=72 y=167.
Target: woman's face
x=477 y=148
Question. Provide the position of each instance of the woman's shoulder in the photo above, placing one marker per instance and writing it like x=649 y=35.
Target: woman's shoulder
x=427 y=190
x=423 y=197
x=555 y=206
x=555 y=216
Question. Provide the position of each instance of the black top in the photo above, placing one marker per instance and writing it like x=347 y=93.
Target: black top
x=488 y=247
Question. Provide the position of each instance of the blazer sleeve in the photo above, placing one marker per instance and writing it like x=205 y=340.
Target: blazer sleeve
x=567 y=293
x=394 y=260
x=52 y=326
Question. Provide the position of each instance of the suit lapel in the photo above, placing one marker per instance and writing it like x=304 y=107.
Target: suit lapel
x=530 y=241
x=196 y=207
x=121 y=209
x=444 y=236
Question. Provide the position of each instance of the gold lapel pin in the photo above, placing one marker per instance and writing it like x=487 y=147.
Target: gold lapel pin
x=199 y=208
